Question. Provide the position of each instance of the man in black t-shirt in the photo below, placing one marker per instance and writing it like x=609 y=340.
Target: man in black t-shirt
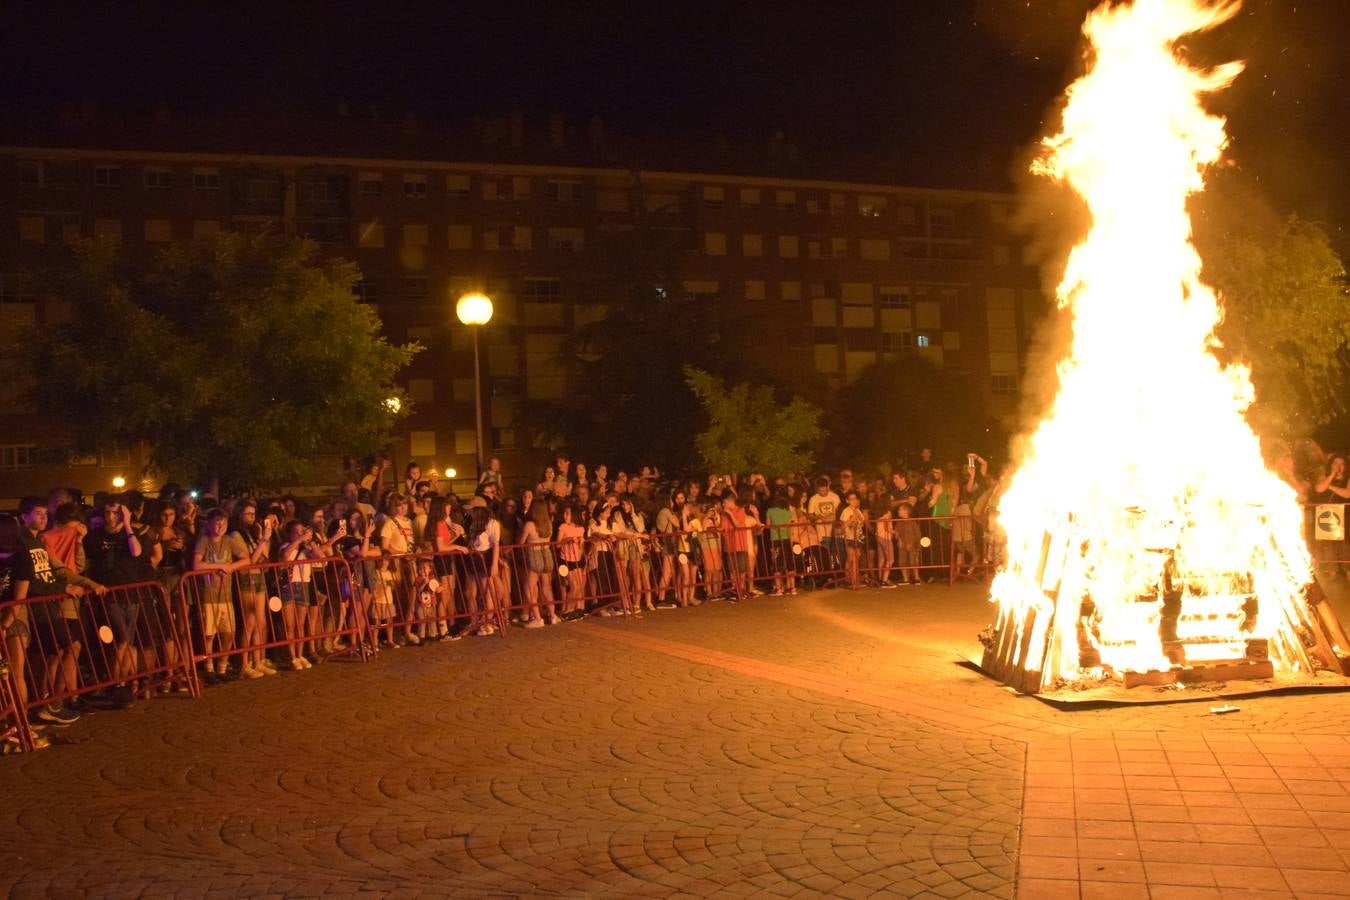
x=114 y=553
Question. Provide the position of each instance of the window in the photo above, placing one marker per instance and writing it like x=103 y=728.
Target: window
x=813 y=248
x=713 y=196
x=204 y=228
x=158 y=231
x=754 y=290
x=905 y=214
x=922 y=340
x=836 y=203
x=788 y=246
x=17 y=456
x=415 y=235
x=262 y=191
x=896 y=341
x=158 y=178
x=461 y=237
x=422 y=443
x=422 y=390
x=790 y=290
x=503 y=438
x=813 y=205
x=750 y=198
x=894 y=298
x=506 y=188
x=508 y=237
x=108 y=230
x=1000 y=255
x=522 y=238
x=371 y=235
x=367 y=291
x=871 y=206
x=943 y=220
x=107 y=176
x=542 y=290
x=839 y=248
x=457 y=184
x=611 y=201
x=317 y=190
x=860 y=339
x=370 y=184
x=415 y=288
x=205 y=179
x=31 y=173
x=752 y=245
x=998 y=213
x=414 y=186
x=570 y=239
x=33 y=229
x=559 y=191
x=1003 y=384
x=874 y=250
x=703 y=290
x=715 y=243
x=798 y=338
x=14 y=289
x=785 y=200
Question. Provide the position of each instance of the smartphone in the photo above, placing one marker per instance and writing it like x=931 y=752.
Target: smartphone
x=970 y=460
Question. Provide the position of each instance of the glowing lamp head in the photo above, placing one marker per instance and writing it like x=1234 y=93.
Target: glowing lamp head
x=450 y=473
x=393 y=404
x=474 y=309
x=119 y=482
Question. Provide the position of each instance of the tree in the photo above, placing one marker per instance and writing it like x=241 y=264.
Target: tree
x=625 y=364
x=750 y=431
x=896 y=407
x=238 y=359
x=1285 y=306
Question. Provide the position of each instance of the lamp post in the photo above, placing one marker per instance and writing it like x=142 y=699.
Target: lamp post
x=475 y=310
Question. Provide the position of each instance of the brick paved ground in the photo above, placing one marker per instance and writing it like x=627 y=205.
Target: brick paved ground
x=827 y=745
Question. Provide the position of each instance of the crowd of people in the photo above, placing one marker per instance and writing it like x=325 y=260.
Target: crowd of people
x=250 y=586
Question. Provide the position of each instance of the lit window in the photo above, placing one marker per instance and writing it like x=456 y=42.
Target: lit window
x=713 y=196
x=785 y=200
x=894 y=298
x=750 y=198
x=921 y=340
x=457 y=184
x=1003 y=384
x=206 y=179
x=871 y=206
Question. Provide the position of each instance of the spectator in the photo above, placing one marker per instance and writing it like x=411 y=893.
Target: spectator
x=484 y=535
x=546 y=486
x=219 y=554
x=633 y=552
x=571 y=538
x=539 y=563
x=885 y=541
x=907 y=537
x=824 y=509
x=412 y=473
x=114 y=553
x=708 y=533
x=736 y=542
x=609 y=583
x=853 y=522
x=297 y=590
x=779 y=518
x=256 y=540
x=492 y=474
x=374 y=475
x=15 y=579
x=448 y=541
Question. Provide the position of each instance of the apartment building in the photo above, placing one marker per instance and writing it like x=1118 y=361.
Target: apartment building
x=834 y=274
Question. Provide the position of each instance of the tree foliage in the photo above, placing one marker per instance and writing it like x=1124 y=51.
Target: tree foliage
x=895 y=408
x=237 y=358
x=626 y=357
x=1286 y=309
x=750 y=431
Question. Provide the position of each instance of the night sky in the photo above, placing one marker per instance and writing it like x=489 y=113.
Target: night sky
x=958 y=88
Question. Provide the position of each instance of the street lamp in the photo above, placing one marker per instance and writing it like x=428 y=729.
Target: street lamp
x=475 y=310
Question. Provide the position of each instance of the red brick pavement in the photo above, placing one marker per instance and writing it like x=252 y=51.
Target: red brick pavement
x=828 y=745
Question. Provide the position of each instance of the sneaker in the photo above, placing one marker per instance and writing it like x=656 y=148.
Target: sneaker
x=488 y=630
x=299 y=663
x=775 y=593
x=888 y=584
x=412 y=639
x=665 y=604
x=54 y=716
x=250 y=672
x=452 y=636
x=792 y=593
x=535 y=623
x=265 y=670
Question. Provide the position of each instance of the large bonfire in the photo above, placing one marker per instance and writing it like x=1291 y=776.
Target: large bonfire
x=1145 y=533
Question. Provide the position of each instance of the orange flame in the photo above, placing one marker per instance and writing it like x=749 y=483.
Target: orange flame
x=1145 y=472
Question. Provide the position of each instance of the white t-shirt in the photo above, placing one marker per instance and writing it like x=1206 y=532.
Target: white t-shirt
x=825 y=509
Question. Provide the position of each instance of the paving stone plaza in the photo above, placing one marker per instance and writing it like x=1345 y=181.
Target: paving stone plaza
x=822 y=745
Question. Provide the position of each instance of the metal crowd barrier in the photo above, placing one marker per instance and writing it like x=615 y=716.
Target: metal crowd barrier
x=274 y=615
x=129 y=637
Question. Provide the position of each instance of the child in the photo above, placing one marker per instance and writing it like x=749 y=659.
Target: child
x=885 y=543
x=427 y=593
x=382 y=611
x=907 y=540
x=853 y=521
x=710 y=546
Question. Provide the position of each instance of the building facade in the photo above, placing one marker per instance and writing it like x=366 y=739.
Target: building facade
x=834 y=275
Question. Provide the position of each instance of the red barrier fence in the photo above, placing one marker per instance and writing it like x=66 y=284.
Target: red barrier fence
x=120 y=643
x=268 y=616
